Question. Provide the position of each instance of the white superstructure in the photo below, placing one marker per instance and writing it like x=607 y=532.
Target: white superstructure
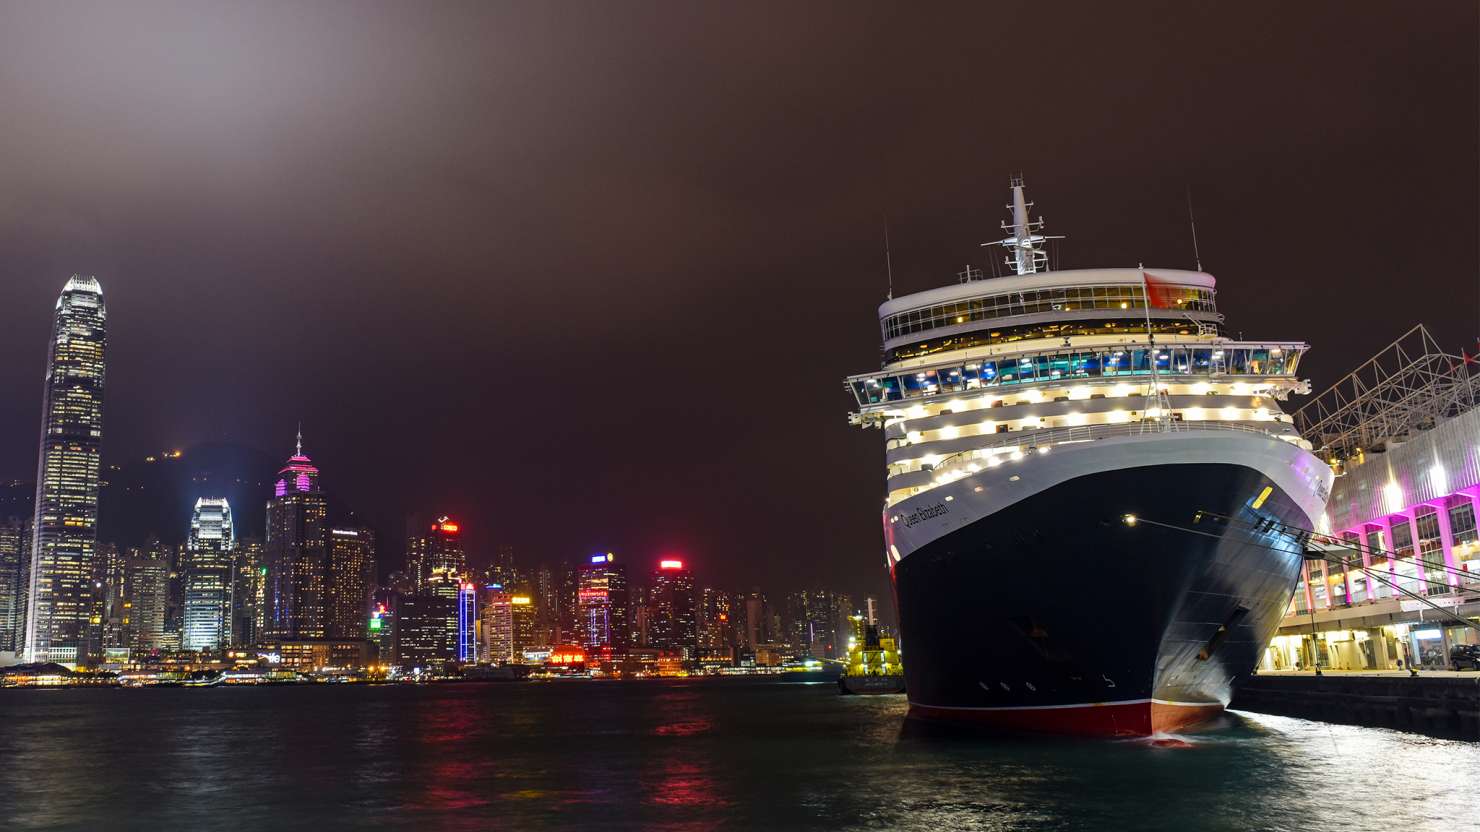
x=985 y=380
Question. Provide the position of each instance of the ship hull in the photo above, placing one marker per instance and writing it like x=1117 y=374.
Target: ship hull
x=1054 y=615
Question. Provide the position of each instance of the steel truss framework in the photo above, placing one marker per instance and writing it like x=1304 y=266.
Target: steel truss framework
x=1408 y=387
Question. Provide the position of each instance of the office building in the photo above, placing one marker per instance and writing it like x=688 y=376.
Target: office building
x=249 y=593
x=109 y=585
x=546 y=607
x=496 y=626
x=435 y=558
x=210 y=555
x=523 y=615
x=671 y=600
x=602 y=605
x=295 y=553
x=15 y=570
x=466 y=635
x=502 y=570
x=351 y=580
x=422 y=637
x=65 y=532
x=146 y=596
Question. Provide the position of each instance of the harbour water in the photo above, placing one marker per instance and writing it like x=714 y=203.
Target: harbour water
x=678 y=755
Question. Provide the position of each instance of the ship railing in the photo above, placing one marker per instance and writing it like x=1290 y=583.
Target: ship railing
x=963 y=463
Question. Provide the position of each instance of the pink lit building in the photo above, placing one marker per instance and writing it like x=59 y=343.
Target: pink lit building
x=1403 y=434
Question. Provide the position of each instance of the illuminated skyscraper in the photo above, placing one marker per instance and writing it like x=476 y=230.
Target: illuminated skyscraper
x=672 y=599
x=249 y=593
x=506 y=627
x=546 y=608
x=15 y=570
x=523 y=612
x=210 y=555
x=147 y=590
x=602 y=604
x=61 y=594
x=714 y=620
x=109 y=581
x=756 y=632
x=467 y=622
x=295 y=553
x=421 y=636
x=435 y=558
x=351 y=580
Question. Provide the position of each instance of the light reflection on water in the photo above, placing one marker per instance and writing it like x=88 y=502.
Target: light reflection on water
x=681 y=755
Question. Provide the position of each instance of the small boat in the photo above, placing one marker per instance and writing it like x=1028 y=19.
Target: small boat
x=873 y=663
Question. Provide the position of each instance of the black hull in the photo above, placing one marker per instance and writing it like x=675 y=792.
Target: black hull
x=1055 y=615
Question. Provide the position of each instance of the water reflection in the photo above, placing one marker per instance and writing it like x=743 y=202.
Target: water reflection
x=682 y=756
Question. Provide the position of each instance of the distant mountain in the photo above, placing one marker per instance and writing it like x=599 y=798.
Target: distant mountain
x=154 y=496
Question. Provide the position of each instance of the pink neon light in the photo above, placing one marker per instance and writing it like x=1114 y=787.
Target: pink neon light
x=670 y=564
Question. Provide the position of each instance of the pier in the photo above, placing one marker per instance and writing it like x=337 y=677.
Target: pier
x=1437 y=703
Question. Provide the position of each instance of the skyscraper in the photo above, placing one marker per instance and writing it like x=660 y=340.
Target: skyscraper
x=547 y=608
x=435 y=558
x=210 y=556
x=65 y=534
x=522 y=613
x=467 y=622
x=421 y=636
x=295 y=553
x=146 y=597
x=713 y=621
x=248 y=593
x=351 y=580
x=672 y=599
x=110 y=583
x=602 y=604
x=15 y=571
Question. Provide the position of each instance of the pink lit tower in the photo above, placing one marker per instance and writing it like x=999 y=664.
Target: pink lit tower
x=296 y=552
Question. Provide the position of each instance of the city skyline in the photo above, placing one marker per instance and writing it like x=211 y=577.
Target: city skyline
x=737 y=415
x=693 y=224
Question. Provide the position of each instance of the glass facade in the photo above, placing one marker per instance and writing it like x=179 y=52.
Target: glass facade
x=1431 y=550
x=673 y=625
x=1058 y=299
x=602 y=605
x=1405 y=568
x=294 y=553
x=1378 y=553
x=1055 y=330
x=61 y=597
x=1070 y=365
x=15 y=570
x=351 y=580
x=210 y=557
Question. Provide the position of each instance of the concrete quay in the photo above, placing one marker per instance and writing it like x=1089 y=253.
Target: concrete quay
x=1436 y=703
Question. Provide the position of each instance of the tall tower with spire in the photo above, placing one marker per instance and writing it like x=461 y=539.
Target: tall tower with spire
x=58 y=621
x=296 y=552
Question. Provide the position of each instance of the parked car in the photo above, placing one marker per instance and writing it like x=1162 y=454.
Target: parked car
x=1465 y=656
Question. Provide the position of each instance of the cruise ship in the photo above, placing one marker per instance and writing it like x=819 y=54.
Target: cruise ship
x=1057 y=445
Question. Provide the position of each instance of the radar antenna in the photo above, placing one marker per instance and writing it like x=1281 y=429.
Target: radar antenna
x=1025 y=246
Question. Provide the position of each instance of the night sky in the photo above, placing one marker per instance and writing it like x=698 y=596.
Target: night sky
x=588 y=276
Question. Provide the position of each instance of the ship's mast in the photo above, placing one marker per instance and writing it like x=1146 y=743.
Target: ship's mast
x=1025 y=246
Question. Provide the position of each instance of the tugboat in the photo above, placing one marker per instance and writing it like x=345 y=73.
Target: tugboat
x=873 y=662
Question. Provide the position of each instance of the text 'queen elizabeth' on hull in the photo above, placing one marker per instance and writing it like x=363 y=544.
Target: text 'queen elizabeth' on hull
x=1051 y=440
